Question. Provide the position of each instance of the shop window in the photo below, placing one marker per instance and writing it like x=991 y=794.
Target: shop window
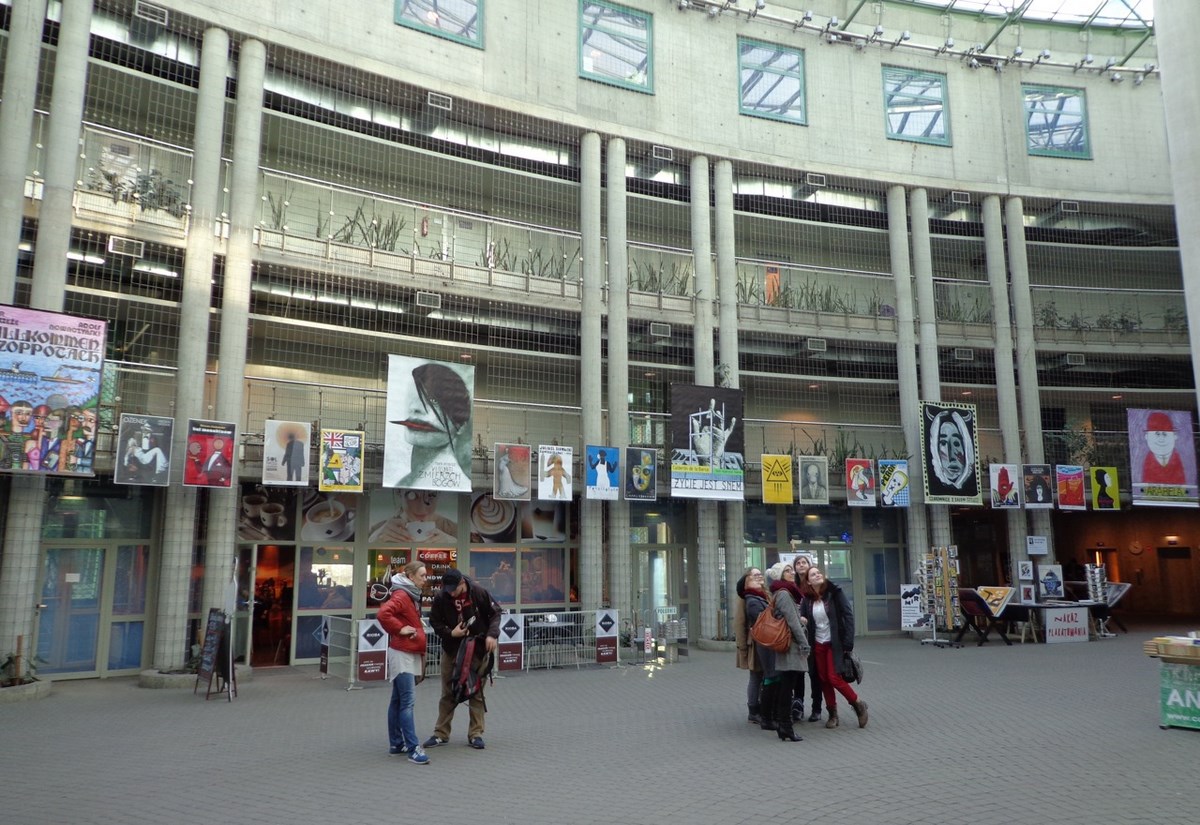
x=771 y=81
x=616 y=45
x=458 y=20
x=915 y=105
x=1056 y=122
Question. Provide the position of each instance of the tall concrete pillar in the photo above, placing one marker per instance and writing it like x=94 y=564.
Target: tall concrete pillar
x=591 y=532
x=931 y=383
x=25 y=26
x=916 y=531
x=244 y=203
x=620 y=565
x=707 y=515
x=171 y=641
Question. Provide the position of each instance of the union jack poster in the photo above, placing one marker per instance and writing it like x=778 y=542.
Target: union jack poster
x=341 y=461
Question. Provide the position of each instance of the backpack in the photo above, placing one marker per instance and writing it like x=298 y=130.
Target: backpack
x=770 y=630
x=466 y=679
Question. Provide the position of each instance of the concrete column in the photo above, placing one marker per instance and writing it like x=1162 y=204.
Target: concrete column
x=733 y=524
x=931 y=383
x=591 y=529
x=620 y=565
x=1174 y=26
x=171 y=641
x=235 y=305
x=707 y=515
x=906 y=366
x=1029 y=396
x=16 y=123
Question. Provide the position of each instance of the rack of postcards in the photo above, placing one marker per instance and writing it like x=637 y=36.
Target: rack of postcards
x=1097 y=582
x=939 y=587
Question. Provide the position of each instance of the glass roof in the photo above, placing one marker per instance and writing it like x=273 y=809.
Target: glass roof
x=1128 y=14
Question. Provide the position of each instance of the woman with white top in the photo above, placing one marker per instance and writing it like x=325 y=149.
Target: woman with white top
x=831 y=634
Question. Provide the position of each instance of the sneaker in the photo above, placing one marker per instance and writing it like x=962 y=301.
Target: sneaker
x=418 y=756
x=476 y=743
x=816 y=716
x=433 y=742
x=397 y=749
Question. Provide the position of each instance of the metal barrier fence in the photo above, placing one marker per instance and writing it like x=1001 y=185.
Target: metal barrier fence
x=656 y=634
x=559 y=639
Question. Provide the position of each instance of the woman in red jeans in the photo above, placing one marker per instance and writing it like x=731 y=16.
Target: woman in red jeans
x=831 y=634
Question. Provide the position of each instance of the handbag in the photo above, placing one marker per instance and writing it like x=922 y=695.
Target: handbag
x=852 y=667
x=771 y=630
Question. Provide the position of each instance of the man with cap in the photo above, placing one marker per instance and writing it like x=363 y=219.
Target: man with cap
x=1162 y=464
x=462 y=609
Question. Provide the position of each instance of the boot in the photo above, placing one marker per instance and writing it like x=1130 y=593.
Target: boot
x=787 y=733
x=833 y=720
x=797 y=710
x=766 y=704
x=753 y=715
x=860 y=707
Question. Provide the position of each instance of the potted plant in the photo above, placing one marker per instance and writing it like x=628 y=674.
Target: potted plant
x=18 y=678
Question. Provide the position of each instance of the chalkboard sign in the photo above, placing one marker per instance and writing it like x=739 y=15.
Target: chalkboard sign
x=215 y=656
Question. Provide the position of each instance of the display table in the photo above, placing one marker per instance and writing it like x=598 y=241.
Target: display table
x=1065 y=621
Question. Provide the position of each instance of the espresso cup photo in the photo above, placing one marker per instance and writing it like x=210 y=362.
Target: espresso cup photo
x=329 y=518
x=271 y=515
x=252 y=505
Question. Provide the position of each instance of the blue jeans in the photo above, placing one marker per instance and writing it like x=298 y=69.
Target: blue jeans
x=402 y=725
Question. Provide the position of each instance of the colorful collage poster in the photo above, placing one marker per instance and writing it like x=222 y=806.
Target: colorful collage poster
x=707 y=442
x=1039 y=492
x=1006 y=486
x=341 y=461
x=513 y=472
x=209 y=459
x=1106 y=489
x=602 y=476
x=641 y=474
x=777 y=479
x=860 y=482
x=144 y=450
x=1162 y=458
x=893 y=483
x=814 y=479
x=285 y=453
x=1068 y=478
x=50 y=369
x=427 y=442
x=554 y=472
x=950 y=438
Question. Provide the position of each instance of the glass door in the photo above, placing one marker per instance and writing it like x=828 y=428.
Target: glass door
x=68 y=630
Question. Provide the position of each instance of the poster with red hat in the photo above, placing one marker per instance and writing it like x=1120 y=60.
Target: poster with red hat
x=1162 y=458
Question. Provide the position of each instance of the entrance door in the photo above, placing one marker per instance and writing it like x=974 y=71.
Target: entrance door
x=271 y=622
x=658 y=581
x=1179 y=586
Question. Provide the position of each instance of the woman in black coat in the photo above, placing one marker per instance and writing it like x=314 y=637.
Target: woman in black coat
x=831 y=634
x=759 y=660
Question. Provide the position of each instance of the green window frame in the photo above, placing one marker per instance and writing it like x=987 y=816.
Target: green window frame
x=771 y=81
x=915 y=106
x=1056 y=121
x=457 y=20
x=616 y=45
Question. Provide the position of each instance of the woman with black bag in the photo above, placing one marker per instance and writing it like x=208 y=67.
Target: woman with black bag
x=793 y=661
x=831 y=633
x=751 y=655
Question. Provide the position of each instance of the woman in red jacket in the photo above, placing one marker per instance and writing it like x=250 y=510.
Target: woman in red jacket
x=401 y=618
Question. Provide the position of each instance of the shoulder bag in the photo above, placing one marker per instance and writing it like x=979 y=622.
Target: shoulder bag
x=771 y=630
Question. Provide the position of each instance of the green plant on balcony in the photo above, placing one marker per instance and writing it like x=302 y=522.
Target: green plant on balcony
x=975 y=312
x=749 y=289
x=1121 y=320
x=1175 y=319
x=361 y=229
x=1046 y=315
x=154 y=190
x=650 y=277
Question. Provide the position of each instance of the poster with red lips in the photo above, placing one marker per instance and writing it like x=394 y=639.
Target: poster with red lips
x=427 y=443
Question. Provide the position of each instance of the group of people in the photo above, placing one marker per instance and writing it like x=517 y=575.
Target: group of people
x=461 y=609
x=821 y=622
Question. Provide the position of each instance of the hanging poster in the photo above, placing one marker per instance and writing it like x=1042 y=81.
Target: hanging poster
x=554 y=472
x=641 y=475
x=912 y=608
x=285 y=453
x=1039 y=494
x=50 y=370
x=1106 y=490
x=1162 y=458
x=949 y=433
x=707 y=441
x=267 y=514
x=1006 y=485
x=209 y=459
x=1068 y=479
x=341 y=461
x=860 y=482
x=1050 y=581
x=427 y=442
x=777 y=479
x=893 y=482
x=513 y=472
x=814 y=479
x=144 y=450
x=603 y=474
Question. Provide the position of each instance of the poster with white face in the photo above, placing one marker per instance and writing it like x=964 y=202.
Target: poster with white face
x=1162 y=458
x=554 y=472
x=144 y=450
x=285 y=453
x=427 y=442
x=814 y=479
x=951 y=455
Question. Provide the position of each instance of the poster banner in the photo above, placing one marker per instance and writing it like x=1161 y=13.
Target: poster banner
x=372 y=651
x=341 y=461
x=50 y=370
x=1162 y=458
x=144 y=450
x=860 y=482
x=814 y=479
x=1006 y=486
x=641 y=474
x=602 y=478
x=1039 y=493
x=511 y=647
x=285 y=453
x=554 y=472
x=427 y=442
x=1068 y=479
x=1066 y=624
x=209 y=460
x=1106 y=488
x=606 y=636
x=707 y=443
x=513 y=472
x=950 y=437
x=893 y=482
x=913 y=614
x=777 y=479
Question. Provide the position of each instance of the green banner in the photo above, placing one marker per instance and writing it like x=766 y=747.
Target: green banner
x=1180 y=695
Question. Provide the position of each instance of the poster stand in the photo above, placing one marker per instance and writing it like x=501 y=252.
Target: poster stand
x=216 y=657
x=939 y=588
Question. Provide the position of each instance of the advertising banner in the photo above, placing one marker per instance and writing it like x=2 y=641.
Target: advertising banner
x=1006 y=486
x=1068 y=478
x=1162 y=458
x=510 y=649
x=603 y=475
x=341 y=461
x=814 y=479
x=860 y=482
x=606 y=636
x=209 y=460
x=144 y=450
x=427 y=442
x=1066 y=624
x=1039 y=493
x=893 y=482
x=285 y=453
x=513 y=472
x=641 y=474
x=1106 y=488
x=777 y=479
x=707 y=443
x=554 y=472
x=372 y=651
x=951 y=453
